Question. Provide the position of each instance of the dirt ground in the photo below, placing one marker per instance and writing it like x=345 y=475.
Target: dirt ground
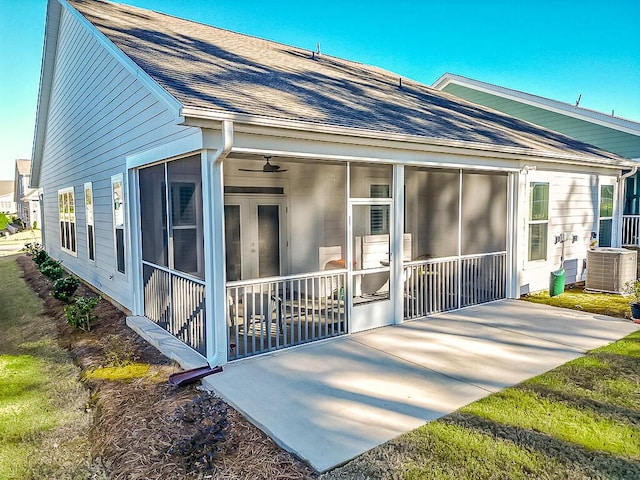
x=146 y=429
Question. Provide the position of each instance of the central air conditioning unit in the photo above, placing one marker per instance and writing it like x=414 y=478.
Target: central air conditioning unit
x=609 y=269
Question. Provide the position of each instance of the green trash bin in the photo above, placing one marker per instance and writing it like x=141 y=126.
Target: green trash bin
x=556 y=282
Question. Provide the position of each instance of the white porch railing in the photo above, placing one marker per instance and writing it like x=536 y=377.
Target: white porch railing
x=442 y=284
x=631 y=230
x=278 y=312
x=176 y=303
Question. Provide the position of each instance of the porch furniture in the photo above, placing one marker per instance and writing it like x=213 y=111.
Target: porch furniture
x=263 y=309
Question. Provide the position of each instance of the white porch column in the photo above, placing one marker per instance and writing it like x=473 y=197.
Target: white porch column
x=512 y=287
x=215 y=264
x=215 y=275
x=397 y=230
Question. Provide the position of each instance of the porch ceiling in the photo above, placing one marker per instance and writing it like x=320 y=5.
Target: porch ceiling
x=331 y=401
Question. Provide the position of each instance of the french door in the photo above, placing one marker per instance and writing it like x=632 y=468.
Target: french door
x=255 y=236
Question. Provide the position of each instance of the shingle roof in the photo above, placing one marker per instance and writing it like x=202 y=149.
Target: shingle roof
x=219 y=70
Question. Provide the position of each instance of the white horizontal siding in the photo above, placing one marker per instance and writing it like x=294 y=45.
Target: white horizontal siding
x=573 y=210
x=99 y=113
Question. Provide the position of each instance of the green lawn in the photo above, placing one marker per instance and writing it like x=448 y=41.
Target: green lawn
x=576 y=298
x=43 y=424
x=578 y=421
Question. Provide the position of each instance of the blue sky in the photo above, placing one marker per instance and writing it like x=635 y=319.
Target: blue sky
x=556 y=49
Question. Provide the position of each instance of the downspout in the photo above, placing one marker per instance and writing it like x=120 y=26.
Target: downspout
x=631 y=173
x=622 y=187
x=215 y=274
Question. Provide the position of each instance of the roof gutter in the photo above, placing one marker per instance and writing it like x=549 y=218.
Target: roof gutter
x=436 y=145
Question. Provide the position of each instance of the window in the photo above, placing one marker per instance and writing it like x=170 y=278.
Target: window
x=118 y=219
x=67 y=213
x=606 y=216
x=88 y=208
x=379 y=214
x=538 y=220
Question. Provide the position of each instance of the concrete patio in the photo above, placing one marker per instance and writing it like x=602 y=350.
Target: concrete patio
x=330 y=401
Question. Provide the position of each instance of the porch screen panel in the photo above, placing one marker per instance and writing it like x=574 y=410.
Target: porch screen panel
x=185 y=222
x=185 y=227
x=484 y=213
x=268 y=240
x=431 y=217
x=153 y=215
x=371 y=181
x=232 y=242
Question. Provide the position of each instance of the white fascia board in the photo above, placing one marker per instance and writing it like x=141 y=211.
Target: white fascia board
x=160 y=93
x=602 y=119
x=211 y=119
x=177 y=148
x=49 y=49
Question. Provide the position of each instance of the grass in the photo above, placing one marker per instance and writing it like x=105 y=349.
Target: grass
x=578 y=421
x=43 y=424
x=119 y=373
x=576 y=298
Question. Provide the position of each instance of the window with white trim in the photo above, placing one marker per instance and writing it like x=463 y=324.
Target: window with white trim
x=605 y=226
x=379 y=214
x=538 y=220
x=88 y=209
x=67 y=213
x=117 y=189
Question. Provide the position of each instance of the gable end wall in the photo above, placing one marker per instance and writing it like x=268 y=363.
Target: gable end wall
x=98 y=114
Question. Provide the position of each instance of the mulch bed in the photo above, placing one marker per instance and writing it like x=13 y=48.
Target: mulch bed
x=147 y=429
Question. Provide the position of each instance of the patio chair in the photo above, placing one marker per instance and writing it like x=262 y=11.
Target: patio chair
x=263 y=308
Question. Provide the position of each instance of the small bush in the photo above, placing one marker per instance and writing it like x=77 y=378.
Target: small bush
x=32 y=249
x=80 y=313
x=64 y=288
x=35 y=225
x=40 y=257
x=52 y=268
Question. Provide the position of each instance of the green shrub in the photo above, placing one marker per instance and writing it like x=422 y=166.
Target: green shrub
x=64 y=288
x=4 y=221
x=52 y=268
x=35 y=225
x=40 y=257
x=80 y=313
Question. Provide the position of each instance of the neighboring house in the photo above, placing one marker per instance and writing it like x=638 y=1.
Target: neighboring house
x=615 y=134
x=247 y=195
x=7 y=204
x=27 y=199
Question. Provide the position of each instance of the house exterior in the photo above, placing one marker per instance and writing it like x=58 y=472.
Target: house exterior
x=246 y=195
x=27 y=199
x=615 y=134
x=7 y=205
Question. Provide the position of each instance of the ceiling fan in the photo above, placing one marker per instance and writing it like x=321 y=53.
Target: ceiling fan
x=266 y=168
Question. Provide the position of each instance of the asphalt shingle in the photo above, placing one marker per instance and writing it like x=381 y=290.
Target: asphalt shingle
x=219 y=70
